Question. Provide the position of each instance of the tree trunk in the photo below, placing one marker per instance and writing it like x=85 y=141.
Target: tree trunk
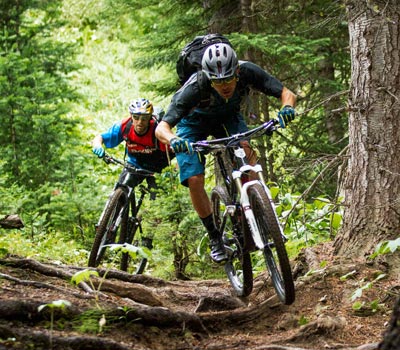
x=372 y=182
x=334 y=125
x=391 y=338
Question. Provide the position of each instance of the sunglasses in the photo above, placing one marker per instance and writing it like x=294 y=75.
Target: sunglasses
x=219 y=82
x=142 y=117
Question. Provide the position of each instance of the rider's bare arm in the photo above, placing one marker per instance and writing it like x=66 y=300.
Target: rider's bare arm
x=97 y=141
x=164 y=132
x=288 y=98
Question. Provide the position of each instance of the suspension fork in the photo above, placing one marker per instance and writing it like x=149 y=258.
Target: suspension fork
x=143 y=191
x=245 y=201
x=128 y=191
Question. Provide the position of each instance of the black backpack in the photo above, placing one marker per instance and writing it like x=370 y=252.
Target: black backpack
x=189 y=60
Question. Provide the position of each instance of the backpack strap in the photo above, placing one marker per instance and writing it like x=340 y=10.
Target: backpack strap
x=125 y=134
x=204 y=89
x=126 y=130
x=155 y=139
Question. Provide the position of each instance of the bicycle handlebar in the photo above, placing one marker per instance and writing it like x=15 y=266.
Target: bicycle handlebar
x=205 y=145
x=110 y=159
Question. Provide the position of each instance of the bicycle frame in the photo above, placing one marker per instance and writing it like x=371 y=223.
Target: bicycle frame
x=130 y=191
x=115 y=215
x=235 y=178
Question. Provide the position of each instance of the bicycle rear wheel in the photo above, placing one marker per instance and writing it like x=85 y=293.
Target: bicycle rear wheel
x=107 y=228
x=274 y=251
x=238 y=268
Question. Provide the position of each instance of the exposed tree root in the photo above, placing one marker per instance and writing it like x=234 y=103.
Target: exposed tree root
x=42 y=340
x=43 y=285
x=198 y=309
x=141 y=294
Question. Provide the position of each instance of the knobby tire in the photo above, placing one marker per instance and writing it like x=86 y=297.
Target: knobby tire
x=106 y=230
x=274 y=252
x=130 y=228
x=238 y=268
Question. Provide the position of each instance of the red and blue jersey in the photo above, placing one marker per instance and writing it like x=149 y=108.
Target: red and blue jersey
x=144 y=151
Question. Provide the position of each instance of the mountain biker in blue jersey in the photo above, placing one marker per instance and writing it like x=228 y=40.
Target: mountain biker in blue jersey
x=143 y=150
x=228 y=82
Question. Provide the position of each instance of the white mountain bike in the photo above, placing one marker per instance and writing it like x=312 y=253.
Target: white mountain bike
x=245 y=212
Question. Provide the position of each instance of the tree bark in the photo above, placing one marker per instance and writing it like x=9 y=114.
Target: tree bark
x=372 y=182
x=391 y=338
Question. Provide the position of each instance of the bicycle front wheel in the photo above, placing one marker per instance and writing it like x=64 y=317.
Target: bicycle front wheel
x=107 y=228
x=274 y=251
x=139 y=263
x=238 y=268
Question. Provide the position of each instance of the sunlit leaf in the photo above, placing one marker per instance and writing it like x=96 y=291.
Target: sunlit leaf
x=336 y=220
x=274 y=191
x=83 y=275
x=357 y=305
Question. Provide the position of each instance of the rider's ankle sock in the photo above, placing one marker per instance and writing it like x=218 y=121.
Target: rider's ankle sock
x=208 y=223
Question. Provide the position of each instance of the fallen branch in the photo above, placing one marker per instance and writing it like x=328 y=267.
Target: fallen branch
x=11 y=221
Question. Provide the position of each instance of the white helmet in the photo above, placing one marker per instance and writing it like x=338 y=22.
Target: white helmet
x=219 y=61
x=141 y=106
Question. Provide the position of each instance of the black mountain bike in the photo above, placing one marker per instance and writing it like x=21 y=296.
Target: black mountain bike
x=119 y=220
x=245 y=212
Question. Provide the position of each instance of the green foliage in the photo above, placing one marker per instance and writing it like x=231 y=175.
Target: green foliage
x=35 y=92
x=175 y=227
x=306 y=222
x=83 y=276
x=43 y=246
x=86 y=276
x=90 y=321
x=347 y=275
x=303 y=320
x=68 y=70
x=358 y=294
x=386 y=247
x=132 y=250
x=57 y=304
x=38 y=132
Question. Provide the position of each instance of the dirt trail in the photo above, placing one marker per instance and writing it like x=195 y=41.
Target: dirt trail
x=141 y=312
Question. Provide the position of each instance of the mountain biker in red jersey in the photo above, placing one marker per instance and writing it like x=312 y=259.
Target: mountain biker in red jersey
x=228 y=82
x=143 y=150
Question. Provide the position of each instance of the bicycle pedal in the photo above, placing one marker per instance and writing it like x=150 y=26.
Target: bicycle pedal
x=229 y=251
x=228 y=241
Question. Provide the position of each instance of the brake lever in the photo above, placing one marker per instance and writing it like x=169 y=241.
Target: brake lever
x=107 y=159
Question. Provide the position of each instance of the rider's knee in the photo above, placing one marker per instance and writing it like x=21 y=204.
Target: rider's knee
x=196 y=181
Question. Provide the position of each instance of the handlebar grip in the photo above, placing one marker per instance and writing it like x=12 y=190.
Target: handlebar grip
x=106 y=158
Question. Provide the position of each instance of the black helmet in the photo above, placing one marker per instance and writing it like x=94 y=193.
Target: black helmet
x=141 y=106
x=219 y=61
